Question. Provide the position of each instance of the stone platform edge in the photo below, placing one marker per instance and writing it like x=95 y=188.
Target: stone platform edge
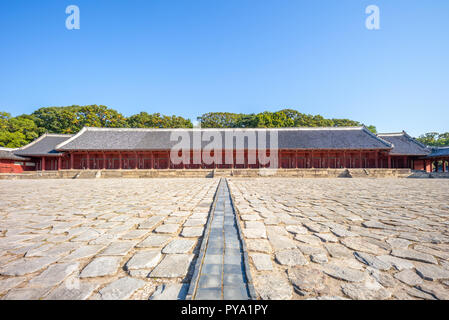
x=223 y=173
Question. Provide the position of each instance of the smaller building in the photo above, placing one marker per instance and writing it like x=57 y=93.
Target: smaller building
x=11 y=163
x=438 y=159
x=407 y=152
x=42 y=152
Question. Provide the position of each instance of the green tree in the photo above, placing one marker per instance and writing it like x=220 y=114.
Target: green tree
x=435 y=139
x=99 y=116
x=372 y=128
x=57 y=119
x=155 y=120
x=17 y=131
x=71 y=119
x=444 y=139
x=280 y=119
x=219 y=119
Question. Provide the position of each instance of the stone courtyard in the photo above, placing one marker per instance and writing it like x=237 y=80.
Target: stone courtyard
x=305 y=238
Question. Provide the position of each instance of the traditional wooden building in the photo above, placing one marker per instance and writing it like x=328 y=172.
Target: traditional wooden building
x=133 y=149
x=407 y=152
x=11 y=163
x=42 y=152
x=438 y=159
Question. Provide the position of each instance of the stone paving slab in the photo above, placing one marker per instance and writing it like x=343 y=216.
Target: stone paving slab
x=358 y=238
x=96 y=239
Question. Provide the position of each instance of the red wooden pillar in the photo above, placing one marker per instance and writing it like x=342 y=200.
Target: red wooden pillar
x=444 y=165
x=120 y=160
x=311 y=160
x=151 y=160
x=104 y=160
x=59 y=163
x=43 y=164
x=296 y=159
x=328 y=160
x=376 y=161
x=183 y=160
x=389 y=162
x=137 y=161
x=170 y=164
x=71 y=161
x=88 y=160
x=361 y=161
x=257 y=159
x=279 y=159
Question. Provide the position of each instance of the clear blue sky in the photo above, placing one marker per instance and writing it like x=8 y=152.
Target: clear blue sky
x=191 y=57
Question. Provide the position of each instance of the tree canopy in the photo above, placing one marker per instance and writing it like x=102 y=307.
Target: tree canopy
x=279 y=119
x=18 y=131
x=73 y=118
x=435 y=139
x=155 y=120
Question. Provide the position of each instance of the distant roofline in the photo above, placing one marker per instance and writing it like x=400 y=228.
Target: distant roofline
x=405 y=134
x=41 y=138
x=391 y=133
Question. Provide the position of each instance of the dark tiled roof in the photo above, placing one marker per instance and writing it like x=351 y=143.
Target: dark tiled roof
x=404 y=144
x=8 y=154
x=160 y=139
x=439 y=152
x=43 y=146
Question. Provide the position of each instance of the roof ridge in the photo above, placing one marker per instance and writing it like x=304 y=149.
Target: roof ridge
x=58 y=134
x=392 y=134
x=422 y=145
x=224 y=129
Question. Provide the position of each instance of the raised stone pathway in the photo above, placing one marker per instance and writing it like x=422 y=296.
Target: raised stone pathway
x=221 y=272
